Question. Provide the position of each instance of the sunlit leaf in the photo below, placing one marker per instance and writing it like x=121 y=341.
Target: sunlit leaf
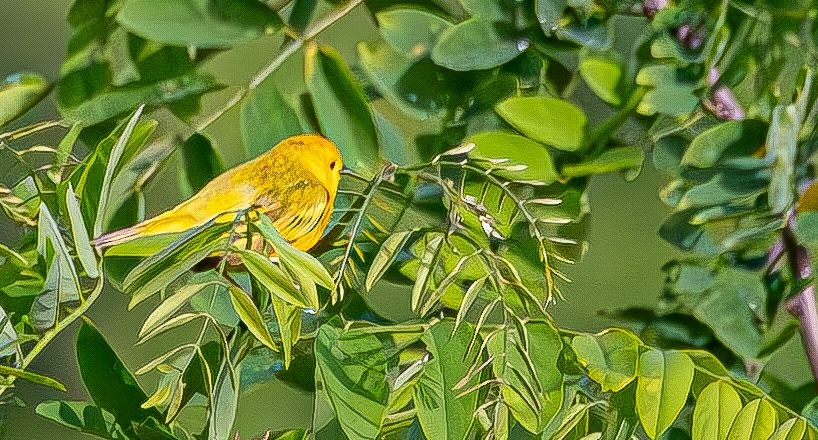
x=716 y=408
x=82 y=243
x=548 y=120
x=664 y=380
x=251 y=317
x=756 y=420
x=20 y=92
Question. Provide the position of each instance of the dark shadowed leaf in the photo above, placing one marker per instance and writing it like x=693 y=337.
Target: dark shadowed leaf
x=266 y=119
x=200 y=164
x=411 y=31
x=83 y=417
x=112 y=387
x=731 y=138
x=342 y=109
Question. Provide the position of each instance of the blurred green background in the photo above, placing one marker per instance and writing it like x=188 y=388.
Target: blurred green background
x=621 y=269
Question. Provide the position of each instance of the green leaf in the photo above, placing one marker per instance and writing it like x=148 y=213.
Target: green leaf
x=288 y=319
x=389 y=251
x=112 y=387
x=62 y=283
x=610 y=357
x=548 y=120
x=251 y=317
x=180 y=296
x=28 y=376
x=82 y=244
x=548 y=13
x=792 y=429
x=83 y=417
x=602 y=73
x=730 y=139
x=731 y=310
x=757 y=420
x=475 y=44
x=627 y=159
x=670 y=93
x=113 y=162
x=142 y=246
x=273 y=278
x=523 y=159
x=200 y=164
x=342 y=109
x=664 y=380
x=411 y=31
x=8 y=336
x=200 y=23
x=352 y=368
x=296 y=259
x=19 y=93
x=441 y=413
x=716 y=408
x=266 y=119
x=782 y=148
x=157 y=271
x=225 y=402
x=532 y=384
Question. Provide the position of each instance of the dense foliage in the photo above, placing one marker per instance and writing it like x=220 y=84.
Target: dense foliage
x=471 y=213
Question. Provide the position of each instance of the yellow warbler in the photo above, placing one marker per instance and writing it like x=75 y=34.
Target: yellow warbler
x=295 y=184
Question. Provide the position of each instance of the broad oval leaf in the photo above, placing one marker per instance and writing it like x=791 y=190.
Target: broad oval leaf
x=602 y=74
x=342 y=109
x=513 y=157
x=552 y=121
x=200 y=23
x=756 y=421
x=19 y=93
x=664 y=380
x=716 y=408
x=475 y=44
x=411 y=31
x=83 y=417
x=731 y=138
x=610 y=357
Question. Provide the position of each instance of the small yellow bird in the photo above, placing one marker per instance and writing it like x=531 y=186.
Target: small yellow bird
x=295 y=184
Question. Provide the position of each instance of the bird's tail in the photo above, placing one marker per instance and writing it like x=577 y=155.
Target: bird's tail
x=117 y=237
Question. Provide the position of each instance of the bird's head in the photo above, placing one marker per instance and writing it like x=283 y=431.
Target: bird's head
x=320 y=157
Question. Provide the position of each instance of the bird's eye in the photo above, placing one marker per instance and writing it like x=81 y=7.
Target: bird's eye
x=332 y=165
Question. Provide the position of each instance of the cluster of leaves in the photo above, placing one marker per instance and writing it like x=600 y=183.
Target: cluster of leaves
x=739 y=149
x=470 y=220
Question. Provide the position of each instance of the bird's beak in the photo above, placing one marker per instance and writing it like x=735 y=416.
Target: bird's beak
x=346 y=170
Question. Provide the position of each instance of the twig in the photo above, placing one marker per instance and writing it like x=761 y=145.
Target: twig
x=289 y=49
x=803 y=305
x=62 y=325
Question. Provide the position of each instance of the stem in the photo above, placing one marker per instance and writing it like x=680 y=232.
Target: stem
x=289 y=49
x=599 y=137
x=62 y=325
x=803 y=305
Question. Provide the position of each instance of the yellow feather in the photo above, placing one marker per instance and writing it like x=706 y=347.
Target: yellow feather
x=295 y=184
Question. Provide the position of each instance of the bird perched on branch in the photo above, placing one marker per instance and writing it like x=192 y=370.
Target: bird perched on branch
x=294 y=183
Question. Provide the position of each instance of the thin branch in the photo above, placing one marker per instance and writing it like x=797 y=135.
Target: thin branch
x=62 y=325
x=288 y=50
